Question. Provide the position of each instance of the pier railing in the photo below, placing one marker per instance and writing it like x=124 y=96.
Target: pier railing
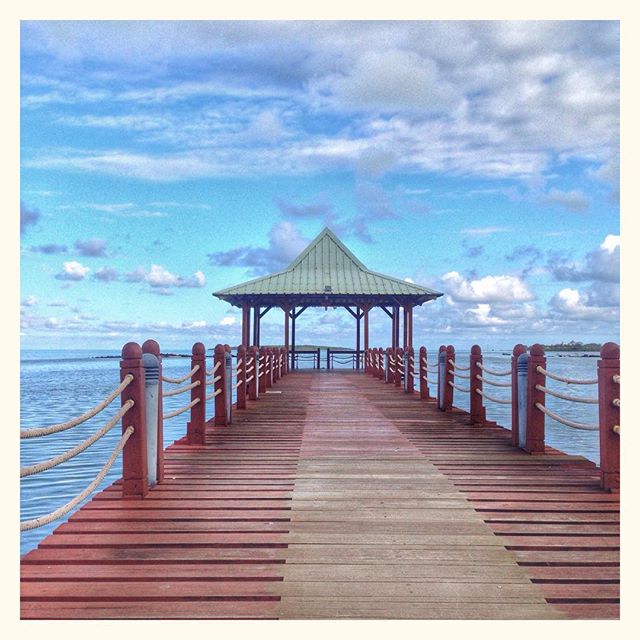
x=525 y=379
x=142 y=389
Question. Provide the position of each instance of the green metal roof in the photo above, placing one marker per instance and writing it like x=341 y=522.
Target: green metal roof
x=326 y=271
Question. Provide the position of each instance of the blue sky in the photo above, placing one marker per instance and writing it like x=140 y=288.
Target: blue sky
x=161 y=161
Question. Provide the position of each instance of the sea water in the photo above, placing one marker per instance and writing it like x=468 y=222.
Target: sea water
x=57 y=385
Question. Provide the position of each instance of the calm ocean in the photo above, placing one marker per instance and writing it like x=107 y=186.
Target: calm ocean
x=56 y=385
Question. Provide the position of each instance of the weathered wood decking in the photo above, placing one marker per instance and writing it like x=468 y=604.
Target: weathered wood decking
x=336 y=496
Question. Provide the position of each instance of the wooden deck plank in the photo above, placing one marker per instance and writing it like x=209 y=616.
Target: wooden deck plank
x=340 y=497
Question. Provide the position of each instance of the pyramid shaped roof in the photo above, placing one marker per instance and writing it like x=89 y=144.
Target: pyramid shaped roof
x=326 y=272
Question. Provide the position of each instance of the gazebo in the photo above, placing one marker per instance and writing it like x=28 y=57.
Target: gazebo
x=327 y=274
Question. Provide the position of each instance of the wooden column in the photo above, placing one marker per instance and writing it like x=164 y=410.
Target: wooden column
x=246 y=325
x=358 y=317
x=195 y=426
x=256 y=325
x=286 y=309
x=404 y=328
x=477 y=412
x=241 y=393
x=293 y=338
x=534 y=442
x=135 y=481
x=396 y=328
x=609 y=416
x=409 y=321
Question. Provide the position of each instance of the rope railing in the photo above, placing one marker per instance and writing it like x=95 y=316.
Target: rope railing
x=177 y=412
x=492 y=398
x=459 y=375
x=616 y=402
x=491 y=371
x=458 y=387
x=183 y=378
x=565 y=421
x=429 y=381
x=616 y=428
x=616 y=379
x=40 y=521
x=458 y=367
x=63 y=426
x=179 y=390
x=249 y=379
x=211 y=396
x=214 y=369
x=555 y=376
x=72 y=453
x=492 y=382
x=564 y=396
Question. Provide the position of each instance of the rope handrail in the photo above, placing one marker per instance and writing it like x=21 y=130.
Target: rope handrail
x=249 y=379
x=215 y=368
x=616 y=402
x=211 y=396
x=459 y=388
x=492 y=382
x=565 y=421
x=173 y=414
x=251 y=368
x=432 y=367
x=179 y=390
x=183 y=378
x=217 y=378
x=72 y=453
x=26 y=525
x=459 y=375
x=428 y=381
x=616 y=379
x=616 y=428
x=457 y=366
x=238 y=383
x=492 y=398
x=491 y=371
x=209 y=383
x=555 y=376
x=564 y=396
x=63 y=426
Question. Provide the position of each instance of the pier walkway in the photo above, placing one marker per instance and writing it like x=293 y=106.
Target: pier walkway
x=337 y=496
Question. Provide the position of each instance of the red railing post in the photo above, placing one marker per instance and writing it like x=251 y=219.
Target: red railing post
x=264 y=367
x=609 y=416
x=241 y=390
x=220 y=377
x=135 y=481
x=388 y=377
x=518 y=350
x=252 y=363
x=450 y=354
x=534 y=440
x=424 y=387
x=398 y=365
x=477 y=412
x=442 y=358
x=151 y=346
x=408 y=384
x=195 y=427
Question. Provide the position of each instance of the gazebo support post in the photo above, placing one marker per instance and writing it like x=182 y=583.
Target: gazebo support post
x=256 y=325
x=287 y=310
x=293 y=338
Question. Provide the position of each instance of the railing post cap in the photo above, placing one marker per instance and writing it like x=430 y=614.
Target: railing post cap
x=536 y=350
x=151 y=346
x=131 y=350
x=518 y=349
x=610 y=350
x=219 y=350
x=423 y=349
x=241 y=349
x=450 y=348
x=198 y=349
x=476 y=350
x=442 y=348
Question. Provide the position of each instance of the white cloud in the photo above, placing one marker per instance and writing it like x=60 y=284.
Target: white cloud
x=500 y=288
x=29 y=301
x=73 y=271
x=484 y=231
x=576 y=304
x=227 y=321
x=573 y=200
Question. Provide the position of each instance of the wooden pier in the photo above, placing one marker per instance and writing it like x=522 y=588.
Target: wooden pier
x=338 y=496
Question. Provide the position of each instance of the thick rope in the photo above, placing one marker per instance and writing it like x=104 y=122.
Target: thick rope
x=554 y=376
x=568 y=423
x=185 y=377
x=616 y=402
x=250 y=368
x=209 y=383
x=216 y=379
x=492 y=382
x=179 y=390
x=492 y=398
x=26 y=525
x=72 y=453
x=616 y=379
x=238 y=383
x=616 y=428
x=455 y=386
x=459 y=375
x=173 y=414
x=249 y=379
x=45 y=431
x=455 y=366
x=490 y=371
x=563 y=396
